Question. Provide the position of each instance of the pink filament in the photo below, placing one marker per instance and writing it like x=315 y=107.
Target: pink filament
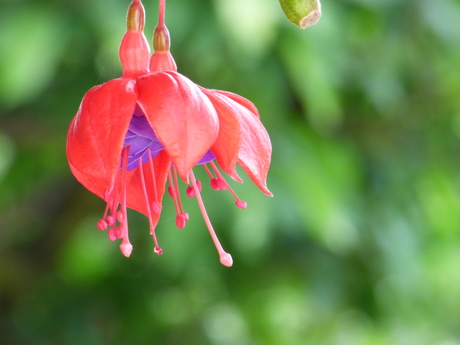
x=161 y=12
x=156 y=206
x=225 y=258
x=149 y=212
x=190 y=191
x=240 y=203
x=173 y=190
x=125 y=246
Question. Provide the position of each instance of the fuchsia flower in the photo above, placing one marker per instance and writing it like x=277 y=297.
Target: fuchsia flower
x=133 y=135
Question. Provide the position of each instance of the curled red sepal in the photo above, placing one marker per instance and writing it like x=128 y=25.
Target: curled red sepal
x=242 y=138
x=97 y=132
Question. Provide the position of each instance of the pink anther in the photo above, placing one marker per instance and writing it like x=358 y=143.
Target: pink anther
x=171 y=192
x=180 y=221
x=241 y=204
x=118 y=232
x=120 y=216
x=222 y=185
x=110 y=220
x=215 y=184
x=190 y=192
x=102 y=225
x=186 y=216
x=111 y=233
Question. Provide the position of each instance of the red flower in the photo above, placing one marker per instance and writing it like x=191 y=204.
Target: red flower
x=134 y=134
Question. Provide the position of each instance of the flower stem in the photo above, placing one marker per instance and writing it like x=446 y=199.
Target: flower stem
x=161 y=13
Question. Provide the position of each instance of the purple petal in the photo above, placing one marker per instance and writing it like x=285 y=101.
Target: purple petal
x=140 y=126
x=141 y=137
x=208 y=156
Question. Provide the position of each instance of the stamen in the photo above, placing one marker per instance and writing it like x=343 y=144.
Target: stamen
x=222 y=184
x=158 y=250
x=176 y=184
x=110 y=220
x=213 y=181
x=211 y=176
x=215 y=184
x=118 y=232
x=125 y=246
x=190 y=191
x=115 y=199
x=180 y=221
x=102 y=225
x=156 y=206
x=225 y=258
x=112 y=235
x=240 y=203
x=171 y=192
x=120 y=216
x=173 y=189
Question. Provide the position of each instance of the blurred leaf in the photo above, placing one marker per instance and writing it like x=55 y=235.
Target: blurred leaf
x=323 y=181
x=250 y=24
x=32 y=41
x=315 y=73
x=87 y=256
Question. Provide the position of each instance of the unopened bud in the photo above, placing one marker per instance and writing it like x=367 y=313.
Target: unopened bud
x=303 y=13
x=161 y=41
x=136 y=17
x=134 y=48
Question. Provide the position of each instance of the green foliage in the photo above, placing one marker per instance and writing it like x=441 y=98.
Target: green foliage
x=361 y=243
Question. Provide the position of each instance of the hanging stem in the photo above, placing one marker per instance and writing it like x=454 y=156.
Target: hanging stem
x=161 y=13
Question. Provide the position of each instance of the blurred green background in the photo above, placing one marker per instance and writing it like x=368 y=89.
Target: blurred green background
x=361 y=243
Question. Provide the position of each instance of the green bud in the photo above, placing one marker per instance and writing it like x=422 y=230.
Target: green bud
x=303 y=13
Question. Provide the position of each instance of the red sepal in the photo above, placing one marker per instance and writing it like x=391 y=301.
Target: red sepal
x=228 y=142
x=97 y=133
x=255 y=150
x=240 y=100
x=182 y=117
